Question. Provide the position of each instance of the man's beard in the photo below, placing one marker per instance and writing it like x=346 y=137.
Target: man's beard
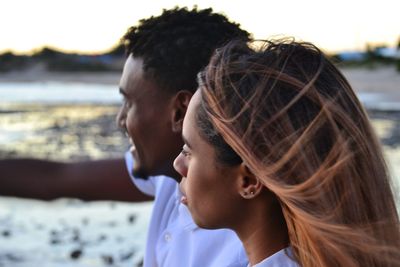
x=140 y=173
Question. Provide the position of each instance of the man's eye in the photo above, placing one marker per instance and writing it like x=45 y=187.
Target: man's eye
x=126 y=102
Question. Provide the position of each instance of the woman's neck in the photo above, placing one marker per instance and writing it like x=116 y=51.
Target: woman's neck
x=263 y=233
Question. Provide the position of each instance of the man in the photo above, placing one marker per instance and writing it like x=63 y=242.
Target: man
x=165 y=53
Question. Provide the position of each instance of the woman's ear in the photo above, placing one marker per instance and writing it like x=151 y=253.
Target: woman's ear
x=249 y=185
x=180 y=104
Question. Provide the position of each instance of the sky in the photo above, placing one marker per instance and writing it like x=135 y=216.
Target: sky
x=94 y=26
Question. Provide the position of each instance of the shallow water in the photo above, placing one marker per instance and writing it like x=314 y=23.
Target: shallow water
x=60 y=132
x=58 y=93
x=85 y=93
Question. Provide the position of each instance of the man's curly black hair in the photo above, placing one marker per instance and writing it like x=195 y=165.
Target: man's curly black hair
x=176 y=45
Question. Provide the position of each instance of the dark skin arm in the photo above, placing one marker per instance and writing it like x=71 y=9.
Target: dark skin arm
x=88 y=180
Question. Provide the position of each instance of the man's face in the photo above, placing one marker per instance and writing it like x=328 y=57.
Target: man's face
x=145 y=115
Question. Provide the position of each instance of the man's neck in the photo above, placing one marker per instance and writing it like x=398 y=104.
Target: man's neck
x=170 y=172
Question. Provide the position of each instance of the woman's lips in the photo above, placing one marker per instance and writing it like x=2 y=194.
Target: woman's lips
x=183 y=197
x=184 y=200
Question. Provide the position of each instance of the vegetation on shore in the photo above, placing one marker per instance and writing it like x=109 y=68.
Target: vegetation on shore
x=371 y=59
x=53 y=60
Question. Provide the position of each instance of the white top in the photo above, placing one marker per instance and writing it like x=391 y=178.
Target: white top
x=174 y=239
x=279 y=259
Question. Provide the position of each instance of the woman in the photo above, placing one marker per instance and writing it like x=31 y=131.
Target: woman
x=279 y=149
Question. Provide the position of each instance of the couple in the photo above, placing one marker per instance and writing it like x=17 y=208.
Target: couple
x=276 y=148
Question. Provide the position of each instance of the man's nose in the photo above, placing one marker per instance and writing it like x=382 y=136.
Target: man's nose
x=120 y=118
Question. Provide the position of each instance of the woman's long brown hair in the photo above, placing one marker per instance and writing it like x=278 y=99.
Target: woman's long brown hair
x=295 y=121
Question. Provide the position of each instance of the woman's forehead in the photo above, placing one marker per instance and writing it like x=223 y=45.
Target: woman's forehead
x=193 y=105
x=189 y=123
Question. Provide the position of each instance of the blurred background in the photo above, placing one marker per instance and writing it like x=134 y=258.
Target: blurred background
x=60 y=63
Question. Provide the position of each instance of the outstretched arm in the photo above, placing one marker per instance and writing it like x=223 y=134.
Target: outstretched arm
x=88 y=180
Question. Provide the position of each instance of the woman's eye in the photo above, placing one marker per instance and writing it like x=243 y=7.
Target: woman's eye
x=184 y=152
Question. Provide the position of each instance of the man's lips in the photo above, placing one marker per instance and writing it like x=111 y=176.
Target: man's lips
x=130 y=140
x=132 y=149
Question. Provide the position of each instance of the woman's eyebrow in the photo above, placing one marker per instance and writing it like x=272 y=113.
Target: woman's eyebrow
x=186 y=141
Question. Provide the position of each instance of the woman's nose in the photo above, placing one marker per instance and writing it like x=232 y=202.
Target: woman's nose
x=179 y=165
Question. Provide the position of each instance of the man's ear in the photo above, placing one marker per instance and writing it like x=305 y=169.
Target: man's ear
x=180 y=104
x=249 y=185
